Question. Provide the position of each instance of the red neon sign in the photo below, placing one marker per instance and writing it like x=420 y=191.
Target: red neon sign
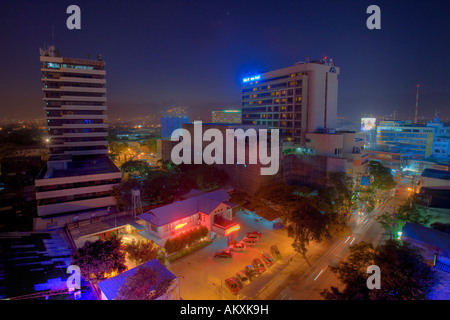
x=234 y=228
x=181 y=225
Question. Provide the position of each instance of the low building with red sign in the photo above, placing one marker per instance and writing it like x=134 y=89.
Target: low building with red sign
x=211 y=209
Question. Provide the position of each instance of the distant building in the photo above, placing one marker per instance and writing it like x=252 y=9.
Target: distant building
x=170 y=124
x=298 y=99
x=369 y=128
x=227 y=116
x=77 y=180
x=110 y=287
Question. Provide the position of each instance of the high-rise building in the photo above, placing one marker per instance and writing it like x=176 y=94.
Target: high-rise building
x=227 y=116
x=170 y=124
x=79 y=175
x=297 y=99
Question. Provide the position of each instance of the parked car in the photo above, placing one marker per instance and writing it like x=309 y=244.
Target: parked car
x=268 y=260
x=275 y=252
x=233 y=285
x=243 y=279
x=223 y=254
x=249 y=242
x=236 y=246
x=259 y=266
x=254 y=233
x=251 y=272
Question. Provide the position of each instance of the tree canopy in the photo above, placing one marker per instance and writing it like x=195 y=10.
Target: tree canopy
x=143 y=285
x=142 y=251
x=382 y=177
x=404 y=273
x=99 y=259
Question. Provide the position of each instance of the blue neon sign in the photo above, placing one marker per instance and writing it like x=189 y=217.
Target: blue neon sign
x=251 y=78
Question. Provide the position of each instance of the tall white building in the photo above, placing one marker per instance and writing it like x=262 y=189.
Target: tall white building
x=297 y=99
x=77 y=180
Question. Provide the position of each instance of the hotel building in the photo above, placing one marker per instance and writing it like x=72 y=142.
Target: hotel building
x=297 y=99
x=76 y=182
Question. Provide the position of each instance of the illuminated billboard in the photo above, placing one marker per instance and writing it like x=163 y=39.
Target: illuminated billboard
x=368 y=124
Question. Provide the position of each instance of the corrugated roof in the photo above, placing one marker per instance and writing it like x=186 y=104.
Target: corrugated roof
x=427 y=235
x=110 y=287
x=436 y=174
x=205 y=203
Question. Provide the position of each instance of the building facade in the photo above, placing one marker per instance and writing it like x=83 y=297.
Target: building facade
x=227 y=116
x=212 y=210
x=297 y=99
x=78 y=176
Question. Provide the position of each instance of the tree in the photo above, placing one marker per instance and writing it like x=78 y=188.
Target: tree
x=142 y=251
x=122 y=193
x=138 y=167
x=382 y=177
x=100 y=258
x=342 y=191
x=404 y=273
x=151 y=144
x=145 y=284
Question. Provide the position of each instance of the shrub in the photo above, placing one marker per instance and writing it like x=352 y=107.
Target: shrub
x=185 y=239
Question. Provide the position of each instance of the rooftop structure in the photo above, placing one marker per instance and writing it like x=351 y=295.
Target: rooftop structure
x=110 y=287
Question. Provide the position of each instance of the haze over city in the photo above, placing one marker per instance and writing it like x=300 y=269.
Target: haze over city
x=195 y=53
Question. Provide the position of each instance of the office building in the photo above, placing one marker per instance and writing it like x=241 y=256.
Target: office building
x=297 y=99
x=76 y=182
x=170 y=124
x=403 y=134
x=227 y=116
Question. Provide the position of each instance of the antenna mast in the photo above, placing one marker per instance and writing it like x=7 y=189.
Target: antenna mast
x=417 y=105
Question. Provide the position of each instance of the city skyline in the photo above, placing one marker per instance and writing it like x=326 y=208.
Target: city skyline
x=216 y=45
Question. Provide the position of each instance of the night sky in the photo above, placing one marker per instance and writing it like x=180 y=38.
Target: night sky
x=194 y=53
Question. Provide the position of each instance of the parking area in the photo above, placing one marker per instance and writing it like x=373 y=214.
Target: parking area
x=203 y=276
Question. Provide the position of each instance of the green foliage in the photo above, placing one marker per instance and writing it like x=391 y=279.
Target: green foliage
x=151 y=144
x=122 y=193
x=143 y=285
x=98 y=258
x=382 y=177
x=139 y=167
x=142 y=251
x=404 y=273
x=185 y=239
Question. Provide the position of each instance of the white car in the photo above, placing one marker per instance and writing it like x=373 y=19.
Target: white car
x=242 y=278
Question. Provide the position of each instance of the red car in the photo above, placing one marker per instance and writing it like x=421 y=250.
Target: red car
x=233 y=285
x=259 y=266
x=223 y=254
x=236 y=246
x=257 y=233
x=268 y=260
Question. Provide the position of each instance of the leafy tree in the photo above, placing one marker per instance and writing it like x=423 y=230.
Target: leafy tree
x=122 y=193
x=413 y=211
x=139 y=167
x=151 y=144
x=143 y=285
x=382 y=177
x=342 y=191
x=99 y=258
x=404 y=273
x=142 y=251
x=185 y=239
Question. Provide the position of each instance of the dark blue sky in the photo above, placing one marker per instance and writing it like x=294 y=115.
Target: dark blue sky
x=195 y=53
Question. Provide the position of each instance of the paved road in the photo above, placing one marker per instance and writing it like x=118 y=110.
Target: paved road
x=309 y=280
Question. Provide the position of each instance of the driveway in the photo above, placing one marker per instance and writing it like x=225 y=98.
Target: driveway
x=202 y=276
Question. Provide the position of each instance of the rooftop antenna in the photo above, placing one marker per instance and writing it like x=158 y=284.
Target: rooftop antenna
x=417 y=105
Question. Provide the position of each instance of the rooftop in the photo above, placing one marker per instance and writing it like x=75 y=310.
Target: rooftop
x=427 y=235
x=175 y=211
x=110 y=287
x=436 y=174
x=81 y=167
